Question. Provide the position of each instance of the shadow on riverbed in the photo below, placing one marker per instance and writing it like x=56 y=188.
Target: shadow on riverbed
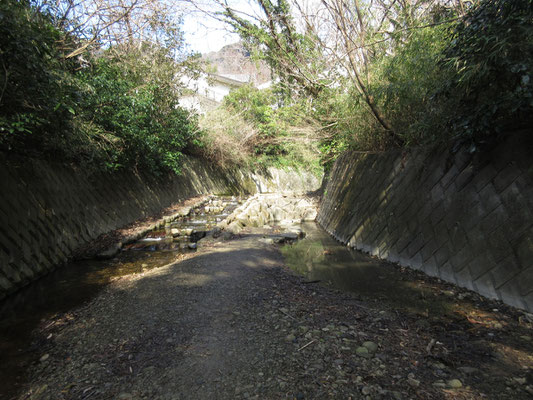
x=416 y=309
x=63 y=290
x=473 y=329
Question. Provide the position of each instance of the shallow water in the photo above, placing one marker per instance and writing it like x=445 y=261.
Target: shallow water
x=321 y=258
x=76 y=283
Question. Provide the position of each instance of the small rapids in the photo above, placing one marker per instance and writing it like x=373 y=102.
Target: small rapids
x=76 y=283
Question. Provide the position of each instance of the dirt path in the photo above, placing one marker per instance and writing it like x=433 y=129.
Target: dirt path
x=232 y=322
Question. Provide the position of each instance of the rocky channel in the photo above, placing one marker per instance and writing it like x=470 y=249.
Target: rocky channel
x=219 y=313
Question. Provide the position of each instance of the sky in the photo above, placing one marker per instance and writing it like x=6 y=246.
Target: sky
x=205 y=34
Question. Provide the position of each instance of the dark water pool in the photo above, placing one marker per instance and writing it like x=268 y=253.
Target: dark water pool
x=321 y=258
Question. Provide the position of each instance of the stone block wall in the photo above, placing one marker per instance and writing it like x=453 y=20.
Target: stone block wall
x=466 y=217
x=48 y=210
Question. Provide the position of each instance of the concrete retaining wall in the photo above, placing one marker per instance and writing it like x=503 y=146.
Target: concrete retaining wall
x=47 y=210
x=466 y=218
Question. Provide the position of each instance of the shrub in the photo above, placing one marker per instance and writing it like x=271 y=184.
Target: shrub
x=36 y=92
x=227 y=138
x=491 y=54
x=134 y=111
x=285 y=135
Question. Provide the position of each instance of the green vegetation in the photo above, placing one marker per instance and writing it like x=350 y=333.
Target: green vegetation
x=253 y=128
x=108 y=107
x=130 y=107
x=388 y=74
x=349 y=75
x=490 y=52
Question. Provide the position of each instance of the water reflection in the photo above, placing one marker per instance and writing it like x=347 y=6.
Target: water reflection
x=319 y=257
x=74 y=284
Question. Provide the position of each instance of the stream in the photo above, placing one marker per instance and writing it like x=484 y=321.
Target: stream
x=323 y=260
x=318 y=257
x=76 y=283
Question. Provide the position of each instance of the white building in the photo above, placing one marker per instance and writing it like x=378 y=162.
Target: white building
x=210 y=89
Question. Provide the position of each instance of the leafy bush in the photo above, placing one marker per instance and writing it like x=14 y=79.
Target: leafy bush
x=108 y=109
x=491 y=55
x=402 y=84
x=406 y=82
x=285 y=135
x=260 y=130
x=36 y=92
x=134 y=111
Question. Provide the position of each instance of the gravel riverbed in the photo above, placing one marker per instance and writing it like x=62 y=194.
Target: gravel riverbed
x=231 y=321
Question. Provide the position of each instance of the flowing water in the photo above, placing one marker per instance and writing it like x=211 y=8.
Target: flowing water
x=318 y=257
x=74 y=284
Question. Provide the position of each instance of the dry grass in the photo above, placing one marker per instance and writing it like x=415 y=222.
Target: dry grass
x=228 y=138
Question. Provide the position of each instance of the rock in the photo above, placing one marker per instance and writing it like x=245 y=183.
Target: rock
x=309 y=215
x=216 y=232
x=413 y=382
x=111 y=251
x=454 y=384
x=362 y=352
x=290 y=338
x=520 y=381
x=277 y=214
x=439 y=384
x=371 y=346
x=290 y=236
x=44 y=357
x=396 y=395
x=175 y=232
x=526 y=338
x=192 y=246
x=278 y=239
x=125 y=396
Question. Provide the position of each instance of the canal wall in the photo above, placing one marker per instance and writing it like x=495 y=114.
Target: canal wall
x=465 y=216
x=49 y=210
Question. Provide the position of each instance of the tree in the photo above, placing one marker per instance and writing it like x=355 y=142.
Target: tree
x=104 y=23
x=491 y=53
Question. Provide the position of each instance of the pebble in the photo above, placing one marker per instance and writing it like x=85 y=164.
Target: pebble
x=413 y=382
x=44 y=357
x=468 y=370
x=290 y=337
x=396 y=395
x=362 y=352
x=370 y=346
x=454 y=384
